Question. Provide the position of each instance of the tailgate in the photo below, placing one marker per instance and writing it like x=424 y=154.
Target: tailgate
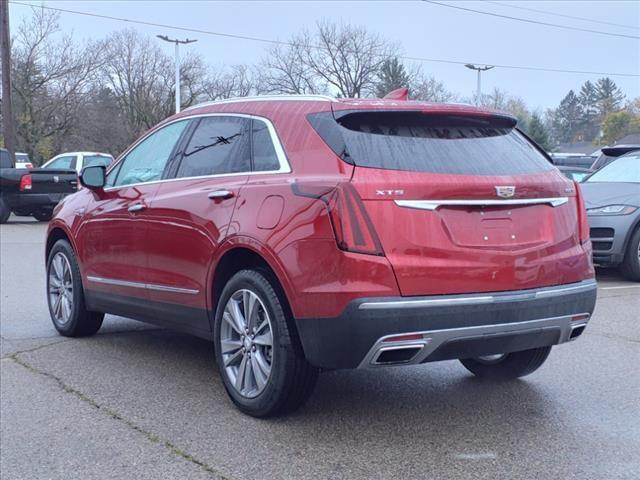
x=52 y=181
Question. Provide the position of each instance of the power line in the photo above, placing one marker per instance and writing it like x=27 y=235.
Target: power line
x=285 y=43
x=536 y=22
x=555 y=14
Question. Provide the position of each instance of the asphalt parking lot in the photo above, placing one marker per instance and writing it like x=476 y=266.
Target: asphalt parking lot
x=139 y=402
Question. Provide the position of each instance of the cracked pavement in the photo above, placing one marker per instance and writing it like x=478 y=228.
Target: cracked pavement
x=140 y=402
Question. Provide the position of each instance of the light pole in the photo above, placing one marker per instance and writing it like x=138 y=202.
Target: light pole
x=177 y=43
x=480 y=69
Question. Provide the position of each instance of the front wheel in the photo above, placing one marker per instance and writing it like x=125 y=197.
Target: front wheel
x=507 y=365
x=262 y=371
x=631 y=263
x=65 y=294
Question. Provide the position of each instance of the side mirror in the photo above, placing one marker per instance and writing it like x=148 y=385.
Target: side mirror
x=93 y=177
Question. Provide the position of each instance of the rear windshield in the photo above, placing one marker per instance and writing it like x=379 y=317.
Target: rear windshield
x=419 y=142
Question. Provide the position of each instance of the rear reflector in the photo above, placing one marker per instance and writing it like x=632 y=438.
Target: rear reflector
x=580 y=318
x=25 y=183
x=352 y=226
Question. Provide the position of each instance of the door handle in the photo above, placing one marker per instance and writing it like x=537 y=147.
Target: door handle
x=138 y=207
x=220 y=194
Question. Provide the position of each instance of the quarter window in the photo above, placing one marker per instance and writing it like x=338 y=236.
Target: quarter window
x=146 y=162
x=219 y=145
x=265 y=157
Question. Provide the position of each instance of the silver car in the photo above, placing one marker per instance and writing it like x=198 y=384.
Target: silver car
x=612 y=198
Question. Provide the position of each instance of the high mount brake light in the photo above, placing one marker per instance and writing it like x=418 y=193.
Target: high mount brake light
x=583 y=222
x=26 y=183
x=352 y=226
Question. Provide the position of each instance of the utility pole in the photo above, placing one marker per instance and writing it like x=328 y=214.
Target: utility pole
x=177 y=43
x=480 y=69
x=5 y=51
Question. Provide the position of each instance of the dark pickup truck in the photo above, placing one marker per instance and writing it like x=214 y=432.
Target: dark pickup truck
x=32 y=192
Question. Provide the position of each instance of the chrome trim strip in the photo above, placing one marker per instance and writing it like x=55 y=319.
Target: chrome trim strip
x=433 y=339
x=144 y=286
x=445 y=300
x=264 y=98
x=434 y=204
x=284 y=166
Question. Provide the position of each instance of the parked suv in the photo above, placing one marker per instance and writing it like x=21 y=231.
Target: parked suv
x=307 y=233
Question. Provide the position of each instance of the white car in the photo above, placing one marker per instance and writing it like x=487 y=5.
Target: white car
x=23 y=161
x=77 y=160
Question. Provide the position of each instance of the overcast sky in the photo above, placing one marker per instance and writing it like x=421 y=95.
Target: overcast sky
x=421 y=29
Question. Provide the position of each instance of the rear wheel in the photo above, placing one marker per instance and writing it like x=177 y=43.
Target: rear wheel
x=43 y=215
x=507 y=365
x=263 y=372
x=631 y=264
x=65 y=295
x=4 y=211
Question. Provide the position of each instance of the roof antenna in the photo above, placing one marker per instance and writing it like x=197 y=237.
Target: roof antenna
x=398 y=94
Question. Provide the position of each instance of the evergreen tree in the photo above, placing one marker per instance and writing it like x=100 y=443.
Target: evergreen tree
x=538 y=132
x=392 y=75
x=590 y=123
x=567 y=117
x=608 y=97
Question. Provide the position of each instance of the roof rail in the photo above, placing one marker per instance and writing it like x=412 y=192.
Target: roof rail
x=265 y=98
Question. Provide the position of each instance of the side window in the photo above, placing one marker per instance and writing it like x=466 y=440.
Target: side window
x=146 y=162
x=265 y=157
x=219 y=145
x=63 y=162
x=91 y=160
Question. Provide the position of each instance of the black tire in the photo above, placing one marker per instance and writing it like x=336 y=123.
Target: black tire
x=630 y=267
x=509 y=366
x=5 y=212
x=42 y=216
x=81 y=322
x=291 y=379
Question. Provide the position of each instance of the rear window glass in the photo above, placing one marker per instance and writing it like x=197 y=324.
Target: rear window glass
x=418 y=142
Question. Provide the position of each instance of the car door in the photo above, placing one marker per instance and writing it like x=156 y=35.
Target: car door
x=113 y=235
x=191 y=214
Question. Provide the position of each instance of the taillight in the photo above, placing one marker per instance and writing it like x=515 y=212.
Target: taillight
x=25 y=183
x=352 y=226
x=583 y=222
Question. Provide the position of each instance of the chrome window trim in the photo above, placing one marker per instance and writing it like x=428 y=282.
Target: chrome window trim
x=143 y=286
x=265 y=98
x=285 y=166
x=446 y=300
x=434 y=204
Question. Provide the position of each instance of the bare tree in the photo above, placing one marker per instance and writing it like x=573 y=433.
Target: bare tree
x=340 y=58
x=428 y=89
x=141 y=77
x=235 y=81
x=285 y=71
x=51 y=79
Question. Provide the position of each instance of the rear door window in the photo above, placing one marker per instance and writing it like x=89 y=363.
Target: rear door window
x=5 y=159
x=91 y=160
x=219 y=145
x=422 y=142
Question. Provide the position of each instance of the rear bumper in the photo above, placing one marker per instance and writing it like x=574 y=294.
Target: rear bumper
x=447 y=326
x=34 y=201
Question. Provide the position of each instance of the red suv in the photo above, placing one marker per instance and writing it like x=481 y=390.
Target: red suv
x=308 y=233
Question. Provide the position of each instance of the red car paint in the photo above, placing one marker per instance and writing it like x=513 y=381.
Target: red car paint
x=181 y=236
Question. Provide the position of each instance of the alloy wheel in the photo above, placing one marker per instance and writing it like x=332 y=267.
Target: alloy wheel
x=60 y=286
x=246 y=343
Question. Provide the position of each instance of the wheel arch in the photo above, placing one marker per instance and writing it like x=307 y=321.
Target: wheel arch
x=246 y=253
x=55 y=233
